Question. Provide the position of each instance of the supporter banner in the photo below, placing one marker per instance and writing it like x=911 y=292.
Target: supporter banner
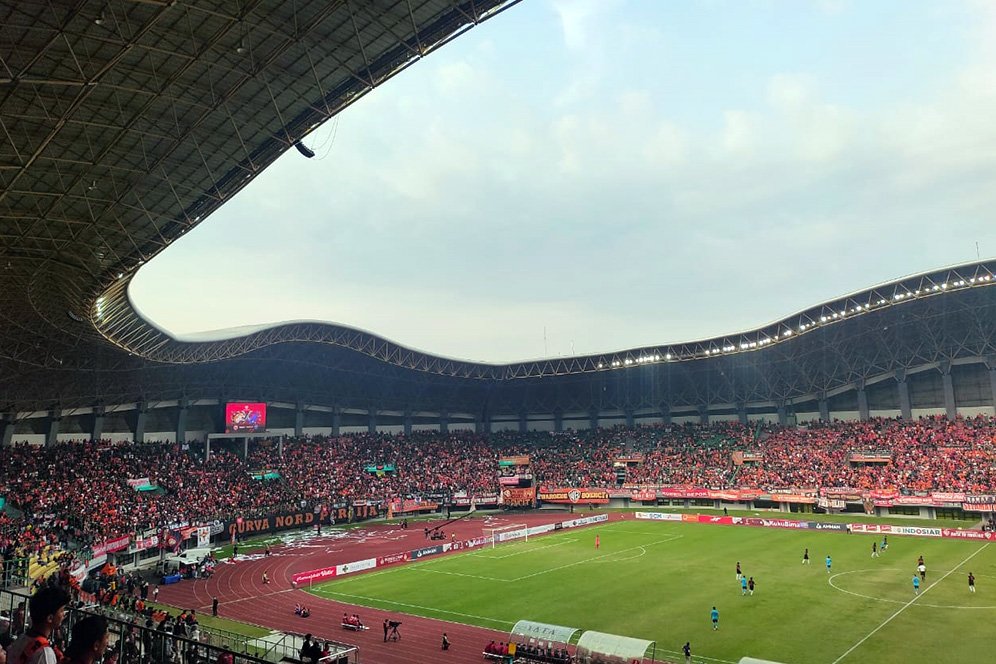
x=269 y=524
x=968 y=534
x=518 y=497
x=912 y=500
x=883 y=494
x=979 y=507
x=111 y=546
x=941 y=497
x=511 y=480
x=484 y=499
x=203 y=537
x=514 y=461
x=831 y=503
x=984 y=498
x=393 y=559
x=728 y=496
x=843 y=493
x=323 y=574
x=358 y=566
x=428 y=551
x=646 y=495
x=139 y=482
x=871 y=458
x=408 y=505
x=747 y=495
x=573 y=496
x=144 y=543
x=216 y=527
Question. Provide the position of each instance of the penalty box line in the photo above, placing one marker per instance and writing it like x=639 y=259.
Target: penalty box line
x=480 y=554
x=589 y=560
x=910 y=603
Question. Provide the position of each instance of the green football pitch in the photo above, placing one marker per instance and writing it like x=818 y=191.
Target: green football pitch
x=659 y=581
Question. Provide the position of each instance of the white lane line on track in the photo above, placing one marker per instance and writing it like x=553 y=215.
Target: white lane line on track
x=910 y=603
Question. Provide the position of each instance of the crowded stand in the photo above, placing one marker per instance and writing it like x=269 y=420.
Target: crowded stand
x=79 y=493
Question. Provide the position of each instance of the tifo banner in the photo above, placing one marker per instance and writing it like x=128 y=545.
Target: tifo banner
x=323 y=574
x=271 y=523
x=646 y=495
x=518 y=497
x=573 y=496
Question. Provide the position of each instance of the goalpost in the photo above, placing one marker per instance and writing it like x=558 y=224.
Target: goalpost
x=507 y=533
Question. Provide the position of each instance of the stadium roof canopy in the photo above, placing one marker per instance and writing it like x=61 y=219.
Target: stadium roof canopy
x=125 y=123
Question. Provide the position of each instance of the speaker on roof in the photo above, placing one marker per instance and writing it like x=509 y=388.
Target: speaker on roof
x=304 y=149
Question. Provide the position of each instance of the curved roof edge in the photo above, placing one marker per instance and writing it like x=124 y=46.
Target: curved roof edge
x=115 y=317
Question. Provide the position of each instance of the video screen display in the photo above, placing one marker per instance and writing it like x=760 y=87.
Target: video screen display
x=244 y=417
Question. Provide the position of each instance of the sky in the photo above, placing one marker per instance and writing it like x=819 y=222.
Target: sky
x=584 y=176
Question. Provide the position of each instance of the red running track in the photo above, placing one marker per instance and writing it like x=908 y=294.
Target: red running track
x=243 y=596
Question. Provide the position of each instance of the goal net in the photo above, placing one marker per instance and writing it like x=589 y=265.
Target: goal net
x=515 y=531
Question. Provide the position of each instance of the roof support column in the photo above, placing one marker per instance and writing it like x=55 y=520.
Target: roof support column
x=666 y=413
x=97 y=432
x=52 y=434
x=181 y=421
x=950 y=407
x=336 y=420
x=299 y=419
x=558 y=420
x=372 y=421
x=7 y=431
x=992 y=382
x=783 y=417
x=742 y=413
x=704 y=415
x=630 y=418
x=905 y=410
x=592 y=418
x=523 y=422
x=141 y=414
x=824 y=408
x=444 y=422
x=862 y=402
x=408 y=422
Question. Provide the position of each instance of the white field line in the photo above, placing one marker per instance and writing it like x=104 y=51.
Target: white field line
x=696 y=658
x=412 y=606
x=519 y=553
x=596 y=558
x=469 y=576
x=910 y=603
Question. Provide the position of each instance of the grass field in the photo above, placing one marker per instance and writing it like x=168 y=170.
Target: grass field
x=659 y=580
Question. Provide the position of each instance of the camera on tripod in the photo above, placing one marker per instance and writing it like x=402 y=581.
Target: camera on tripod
x=394 y=624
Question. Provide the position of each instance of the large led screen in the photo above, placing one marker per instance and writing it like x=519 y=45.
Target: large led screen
x=244 y=417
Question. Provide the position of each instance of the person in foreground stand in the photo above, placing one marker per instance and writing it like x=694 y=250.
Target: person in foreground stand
x=47 y=609
x=89 y=641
